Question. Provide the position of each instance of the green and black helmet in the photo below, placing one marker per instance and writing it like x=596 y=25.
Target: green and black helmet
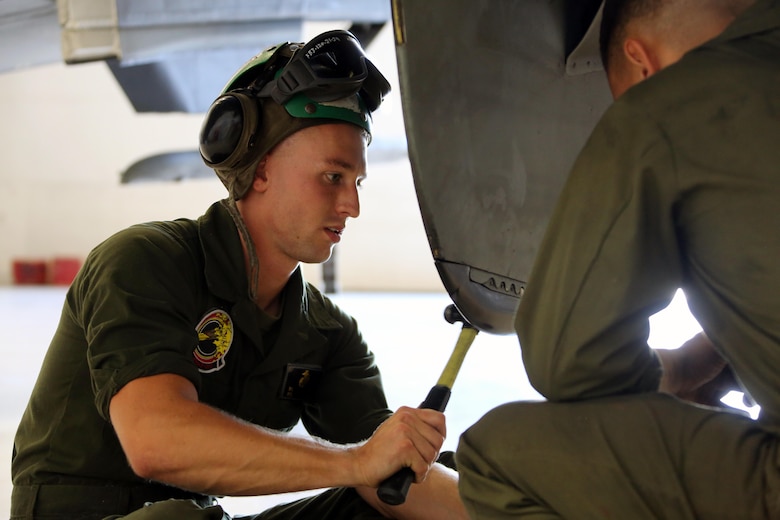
x=284 y=89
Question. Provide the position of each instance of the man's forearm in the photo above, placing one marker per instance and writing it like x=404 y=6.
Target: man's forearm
x=168 y=436
x=221 y=455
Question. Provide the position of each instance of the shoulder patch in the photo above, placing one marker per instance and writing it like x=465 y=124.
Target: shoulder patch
x=215 y=336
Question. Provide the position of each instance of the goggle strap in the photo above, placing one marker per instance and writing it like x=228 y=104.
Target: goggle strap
x=295 y=77
x=269 y=90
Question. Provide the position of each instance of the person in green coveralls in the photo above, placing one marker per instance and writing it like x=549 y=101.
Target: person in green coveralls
x=188 y=349
x=677 y=187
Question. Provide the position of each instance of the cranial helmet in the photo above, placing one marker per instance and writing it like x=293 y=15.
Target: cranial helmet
x=284 y=89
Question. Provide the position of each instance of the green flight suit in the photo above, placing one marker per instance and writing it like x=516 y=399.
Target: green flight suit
x=172 y=297
x=678 y=186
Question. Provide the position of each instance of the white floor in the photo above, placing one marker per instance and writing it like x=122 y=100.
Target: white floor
x=407 y=332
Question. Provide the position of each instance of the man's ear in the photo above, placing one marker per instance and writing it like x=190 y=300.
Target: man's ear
x=260 y=181
x=642 y=60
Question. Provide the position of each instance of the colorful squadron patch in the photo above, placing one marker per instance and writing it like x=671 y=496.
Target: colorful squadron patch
x=215 y=335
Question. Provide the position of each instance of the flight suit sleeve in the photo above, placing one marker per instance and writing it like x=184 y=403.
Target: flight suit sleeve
x=609 y=260
x=135 y=310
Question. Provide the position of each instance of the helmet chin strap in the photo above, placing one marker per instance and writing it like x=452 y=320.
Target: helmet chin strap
x=254 y=262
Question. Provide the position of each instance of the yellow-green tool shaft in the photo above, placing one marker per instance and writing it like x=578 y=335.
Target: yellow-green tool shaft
x=450 y=372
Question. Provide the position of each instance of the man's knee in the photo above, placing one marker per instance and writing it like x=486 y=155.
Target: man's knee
x=510 y=422
x=509 y=428
x=495 y=455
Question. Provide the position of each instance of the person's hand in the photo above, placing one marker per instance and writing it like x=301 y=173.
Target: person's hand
x=411 y=437
x=696 y=372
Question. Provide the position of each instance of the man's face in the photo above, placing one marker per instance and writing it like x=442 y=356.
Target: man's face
x=309 y=191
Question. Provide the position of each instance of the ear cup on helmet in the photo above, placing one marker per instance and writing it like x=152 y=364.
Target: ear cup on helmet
x=229 y=130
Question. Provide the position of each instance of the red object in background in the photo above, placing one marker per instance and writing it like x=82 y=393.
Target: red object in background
x=28 y=272
x=64 y=270
x=58 y=271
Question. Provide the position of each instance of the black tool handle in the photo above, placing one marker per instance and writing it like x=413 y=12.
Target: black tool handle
x=393 y=489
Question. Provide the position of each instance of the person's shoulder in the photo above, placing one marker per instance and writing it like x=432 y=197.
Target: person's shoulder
x=703 y=76
x=166 y=234
x=181 y=229
x=324 y=313
x=318 y=302
x=662 y=100
x=147 y=246
x=631 y=122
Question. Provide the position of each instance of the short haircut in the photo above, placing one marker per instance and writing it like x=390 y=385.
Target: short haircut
x=614 y=20
x=618 y=14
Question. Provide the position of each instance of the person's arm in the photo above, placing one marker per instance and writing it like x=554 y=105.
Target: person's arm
x=696 y=372
x=609 y=260
x=168 y=436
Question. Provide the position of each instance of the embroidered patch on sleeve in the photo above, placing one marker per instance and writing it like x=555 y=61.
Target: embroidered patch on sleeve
x=215 y=335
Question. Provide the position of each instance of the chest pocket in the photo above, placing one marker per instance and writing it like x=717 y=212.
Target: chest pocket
x=300 y=382
x=278 y=388
x=275 y=397
x=251 y=390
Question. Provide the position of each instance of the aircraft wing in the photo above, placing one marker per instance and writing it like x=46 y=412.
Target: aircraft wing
x=498 y=98
x=170 y=56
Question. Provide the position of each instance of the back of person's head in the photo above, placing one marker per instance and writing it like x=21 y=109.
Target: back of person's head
x=652 y=34
x=675 y=20
x=614 y=20
x=282 y=90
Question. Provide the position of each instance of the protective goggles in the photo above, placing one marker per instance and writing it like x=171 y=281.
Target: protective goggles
x=331 y=66
x=328 y=78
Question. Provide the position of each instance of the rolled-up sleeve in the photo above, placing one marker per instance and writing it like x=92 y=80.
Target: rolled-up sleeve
x=136 y=318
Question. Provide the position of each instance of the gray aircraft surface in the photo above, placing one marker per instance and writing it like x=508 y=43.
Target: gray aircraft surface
x=498 y=98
